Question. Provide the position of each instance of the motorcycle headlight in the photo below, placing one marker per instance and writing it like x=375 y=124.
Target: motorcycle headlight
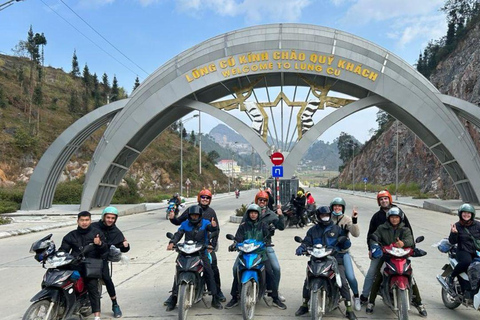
x=320 y=252
x=398 y=252
x=189 y=248
x=248 y=247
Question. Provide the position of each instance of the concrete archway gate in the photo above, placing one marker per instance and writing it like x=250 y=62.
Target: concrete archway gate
x=223 y=74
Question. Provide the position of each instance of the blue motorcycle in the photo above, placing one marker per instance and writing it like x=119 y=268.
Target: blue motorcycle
x=251 y=275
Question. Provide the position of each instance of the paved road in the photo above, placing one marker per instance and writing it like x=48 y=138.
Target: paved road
x=144 y=283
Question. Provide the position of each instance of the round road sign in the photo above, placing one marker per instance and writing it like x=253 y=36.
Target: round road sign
x=277 y=158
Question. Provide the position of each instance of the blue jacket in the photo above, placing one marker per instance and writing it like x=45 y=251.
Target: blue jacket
x=198 y=232
x=325 y=235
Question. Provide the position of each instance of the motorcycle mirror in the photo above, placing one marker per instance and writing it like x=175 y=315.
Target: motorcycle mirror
x=298 y=239
x=419 y=239
x=169 y=235
x=230 y=237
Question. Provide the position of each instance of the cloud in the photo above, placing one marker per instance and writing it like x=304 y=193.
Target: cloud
x=426 y=27
x=252 y=10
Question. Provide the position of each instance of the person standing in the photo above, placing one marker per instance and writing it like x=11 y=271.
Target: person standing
x=349 y=226
x=204 y=199
x=75 y=241
x=113 y=237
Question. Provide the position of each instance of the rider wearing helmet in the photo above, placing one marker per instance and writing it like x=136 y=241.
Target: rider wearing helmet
x=299 y=202
x=393 y=231
x=326 y=233
x=196 y=228
x=177 y=200
x=349 y=226
x=204 y=199
x=115 y=237
x=254 y=228
x=384 y=200
x=463 y=233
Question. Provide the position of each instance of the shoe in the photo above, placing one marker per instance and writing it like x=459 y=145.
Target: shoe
x=221 y=297
x=357 y=305
x=117 y=313
x=351 y=315
x=363 y=299
x=216 y=303
x=370 y=307
x=421 y=310
x=282 y=298
x=171 y=305
x=168 y=301
x=232 y=303
x=301 y=311
x=279 y=304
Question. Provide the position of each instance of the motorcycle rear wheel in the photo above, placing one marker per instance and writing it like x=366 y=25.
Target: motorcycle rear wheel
x=448 y=301
x=38 y=311
x=184 y=303
x=247 y=300
x=402 y=304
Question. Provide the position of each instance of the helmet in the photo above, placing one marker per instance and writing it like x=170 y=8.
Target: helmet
x=195 y=210
x=261 y=194
x=466 y=207
x=109 y=210
x=384 y=193
x=253 y=207
x=43 y=248
x=323 y=210
x=204 y=192
x=300 y=193
x=307 y=193
x=395 y=211
x=338 y=201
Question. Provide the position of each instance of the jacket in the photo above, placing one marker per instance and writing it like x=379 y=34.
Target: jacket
x=387 y=235
x=77 y=239
x=208 y=214
x=272 y=220
x=379 y=218
x=113 y=235
x=198 y=232
x=327 y=236
x=257 y=230
x=463 y=239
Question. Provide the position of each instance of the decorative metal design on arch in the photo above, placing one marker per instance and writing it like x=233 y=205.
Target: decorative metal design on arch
x=228 y=74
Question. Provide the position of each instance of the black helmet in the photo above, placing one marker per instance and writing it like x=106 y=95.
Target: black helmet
x=195 y=210
x=321 y=211
x=43 y=248
x=395 y=211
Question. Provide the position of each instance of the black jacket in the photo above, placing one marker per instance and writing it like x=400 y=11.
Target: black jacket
x=464 y=240
x=379 y=218
x=208 y=214
x=76 y=240
x=113 y=235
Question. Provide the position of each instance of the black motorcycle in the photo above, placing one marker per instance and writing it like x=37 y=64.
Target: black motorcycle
x=64 y=294
x=292 y=219
x=189 y=275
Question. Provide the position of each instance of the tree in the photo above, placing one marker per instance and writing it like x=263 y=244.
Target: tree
x=115 y=91
x=105 y=82
x=86 y=77
x=73 y=103
x=213 y=156
x=192 y=137
x=75 y=69
x=96 y=92
x=137 y=83
x=346 y=145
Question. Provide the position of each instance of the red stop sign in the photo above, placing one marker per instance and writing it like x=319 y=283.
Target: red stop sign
x=277 y=158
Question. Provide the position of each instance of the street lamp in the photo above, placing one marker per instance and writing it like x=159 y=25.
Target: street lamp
x=181 y=151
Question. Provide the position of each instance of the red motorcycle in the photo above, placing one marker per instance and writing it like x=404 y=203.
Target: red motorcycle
x=396 y=287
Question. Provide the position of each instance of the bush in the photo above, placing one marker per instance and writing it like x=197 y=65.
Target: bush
x=128 y=194
x=241 y=211
x=14 y=194
x=68 y=192
x=6 y=207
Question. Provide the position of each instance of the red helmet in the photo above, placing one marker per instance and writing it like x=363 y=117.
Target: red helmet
x=204 y=192
x=384 y=193
x=261 y=194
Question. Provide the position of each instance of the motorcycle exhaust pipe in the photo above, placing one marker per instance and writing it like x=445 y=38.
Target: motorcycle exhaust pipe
x=443 y=283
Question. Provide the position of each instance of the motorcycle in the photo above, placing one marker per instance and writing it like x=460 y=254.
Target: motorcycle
x=396 y=286
x=189 y=275
x=251 y=275
x=237 y=194
x=310 y=211
x=323 y=279
x=172 y=207
x=290 y=213
x=64 y=294
x=454 y=297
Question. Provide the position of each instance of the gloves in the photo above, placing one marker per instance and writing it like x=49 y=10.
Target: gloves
x=376 y=251
x=300 y=250
x=232 y=247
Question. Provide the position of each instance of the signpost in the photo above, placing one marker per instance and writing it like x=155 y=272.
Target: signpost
x=277 y=170
x=214 y=184
x=187 y=183
x=365 y=180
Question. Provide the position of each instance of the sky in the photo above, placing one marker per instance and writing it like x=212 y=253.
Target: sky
x=130 y=38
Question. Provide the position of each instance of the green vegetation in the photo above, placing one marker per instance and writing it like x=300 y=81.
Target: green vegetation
x=406 y=190
x=10 y=200
x=241 y=211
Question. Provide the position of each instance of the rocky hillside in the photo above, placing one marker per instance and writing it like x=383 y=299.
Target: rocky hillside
x=457 y=75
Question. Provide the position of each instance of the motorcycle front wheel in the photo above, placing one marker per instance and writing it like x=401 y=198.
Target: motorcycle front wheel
x=448 y=300
x=316 y=298
x=38 y=311
x=402 y=304
x=184 y=302
x=247 y=300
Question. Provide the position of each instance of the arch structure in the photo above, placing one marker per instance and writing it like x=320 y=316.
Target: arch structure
x=226 y=73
